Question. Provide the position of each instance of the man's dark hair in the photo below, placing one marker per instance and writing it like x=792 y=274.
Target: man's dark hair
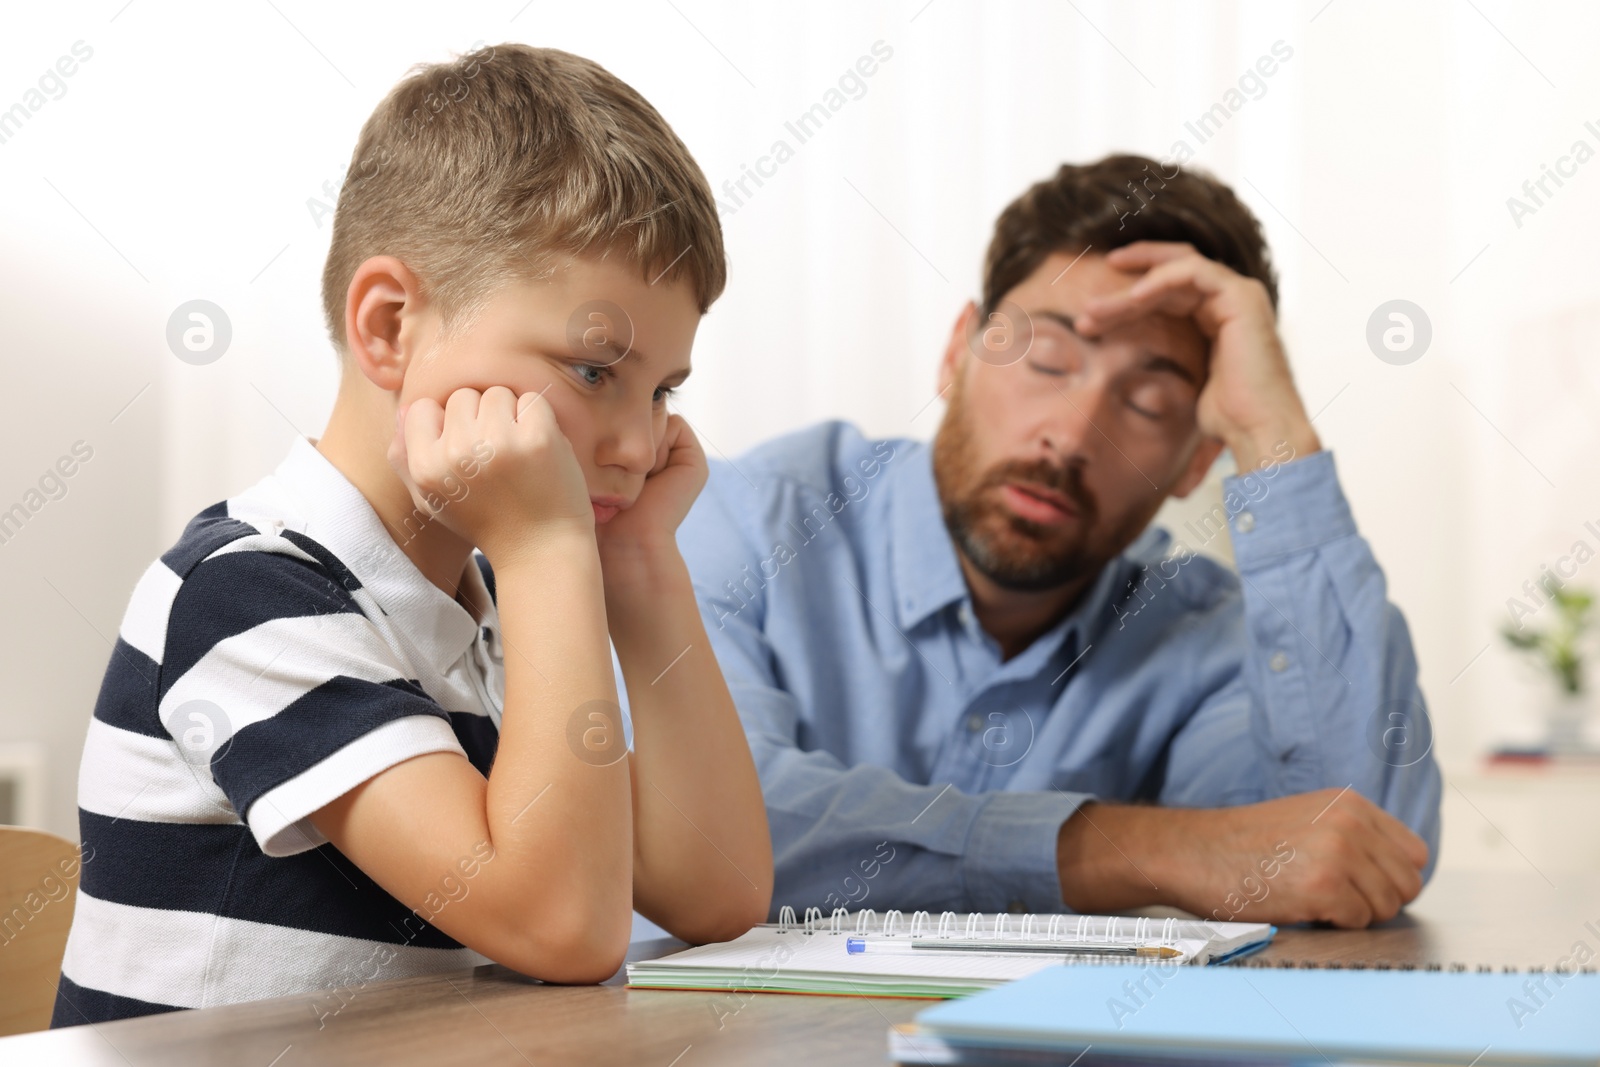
x=1114 y=202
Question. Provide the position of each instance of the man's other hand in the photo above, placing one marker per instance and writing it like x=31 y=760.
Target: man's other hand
x=1329 y=856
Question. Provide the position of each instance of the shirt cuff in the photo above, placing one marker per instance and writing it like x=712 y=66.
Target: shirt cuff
x=1284 y=508
x=280 y=817
x=1010 y=860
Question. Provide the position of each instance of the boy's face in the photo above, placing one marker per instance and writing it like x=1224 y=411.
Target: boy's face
x=603 y=346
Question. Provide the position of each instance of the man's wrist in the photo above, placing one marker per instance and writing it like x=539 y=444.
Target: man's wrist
x=1118 y=856
x=1278 y=442
x=1098 y=874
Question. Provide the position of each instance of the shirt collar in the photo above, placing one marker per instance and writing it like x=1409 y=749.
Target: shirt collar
x=331 y=511
x=927 y=572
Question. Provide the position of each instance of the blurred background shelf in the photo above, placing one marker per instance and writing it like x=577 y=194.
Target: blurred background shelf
x=1532 y=817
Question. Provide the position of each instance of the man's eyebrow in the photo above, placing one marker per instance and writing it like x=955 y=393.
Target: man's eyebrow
x=1171 y=366
x=1153 y=361
x=1060 y=318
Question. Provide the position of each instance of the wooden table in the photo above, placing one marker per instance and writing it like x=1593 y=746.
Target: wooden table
x=492 y=1016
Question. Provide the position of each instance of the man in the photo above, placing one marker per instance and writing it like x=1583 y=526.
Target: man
x=973 y=679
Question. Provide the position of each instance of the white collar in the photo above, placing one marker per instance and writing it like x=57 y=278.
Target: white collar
x=331 y=511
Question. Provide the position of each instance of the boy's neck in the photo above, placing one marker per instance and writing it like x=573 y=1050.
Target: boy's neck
x=348 y=443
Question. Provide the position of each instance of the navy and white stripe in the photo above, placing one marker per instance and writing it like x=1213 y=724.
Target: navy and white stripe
x=330 y=658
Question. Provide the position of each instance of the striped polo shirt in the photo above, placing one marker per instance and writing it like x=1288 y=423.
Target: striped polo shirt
x=283 y=652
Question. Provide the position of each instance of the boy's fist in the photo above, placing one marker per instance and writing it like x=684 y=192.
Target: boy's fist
x=674 y=480
x=492 y=467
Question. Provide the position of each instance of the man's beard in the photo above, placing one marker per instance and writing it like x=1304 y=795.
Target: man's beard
x=1014 y=552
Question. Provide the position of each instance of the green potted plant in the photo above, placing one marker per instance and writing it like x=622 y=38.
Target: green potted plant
x=1557 y=648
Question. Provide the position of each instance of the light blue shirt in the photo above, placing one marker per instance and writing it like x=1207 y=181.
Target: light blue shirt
x=906 y=765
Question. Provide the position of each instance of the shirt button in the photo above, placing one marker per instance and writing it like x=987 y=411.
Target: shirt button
x=974 y=723
x=1278 y=662
x=1017 y=907
x=964 y=613
x=1244 y=522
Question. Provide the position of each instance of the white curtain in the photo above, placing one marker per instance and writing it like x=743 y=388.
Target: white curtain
x=184 y=158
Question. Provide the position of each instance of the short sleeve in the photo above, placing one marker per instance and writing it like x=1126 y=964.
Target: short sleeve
x=276 y=683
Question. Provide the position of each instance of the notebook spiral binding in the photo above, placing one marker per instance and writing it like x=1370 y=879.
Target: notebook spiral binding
x=1455 y=966
x=1084 y=928
x=1029 y=927
x=1002 y=926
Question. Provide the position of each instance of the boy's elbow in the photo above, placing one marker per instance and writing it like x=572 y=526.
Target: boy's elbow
x=580 y=946
x=582 y=964
x=737 y=922
x=732 y=917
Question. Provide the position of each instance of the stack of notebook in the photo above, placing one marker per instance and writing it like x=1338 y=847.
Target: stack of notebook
x=946 y=956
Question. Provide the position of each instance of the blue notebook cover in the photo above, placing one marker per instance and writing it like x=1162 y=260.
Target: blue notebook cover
x=1286 y=1016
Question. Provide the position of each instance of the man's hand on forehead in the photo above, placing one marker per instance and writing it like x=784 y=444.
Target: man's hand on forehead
x=1176 y=280
x=1249 y=401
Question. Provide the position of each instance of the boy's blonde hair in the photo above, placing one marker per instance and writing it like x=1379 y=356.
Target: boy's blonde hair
x=489 y=168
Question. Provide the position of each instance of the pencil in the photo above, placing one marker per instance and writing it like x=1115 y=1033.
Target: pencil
x=902 y=946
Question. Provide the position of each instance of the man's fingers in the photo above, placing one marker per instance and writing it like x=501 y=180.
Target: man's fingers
x=1350 y=907
x=1359 y=847
x=1176 y=287
x=1189 y=272
x=1382 y=896
x=1381 y=828
x=1141 y=255
x=1396 y=867
x=1325 y=888
x=1400 y=837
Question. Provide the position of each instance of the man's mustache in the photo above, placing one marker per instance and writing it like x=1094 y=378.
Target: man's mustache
x=1068 y=481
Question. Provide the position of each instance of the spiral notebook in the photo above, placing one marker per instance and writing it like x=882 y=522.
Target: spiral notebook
x=812 y=956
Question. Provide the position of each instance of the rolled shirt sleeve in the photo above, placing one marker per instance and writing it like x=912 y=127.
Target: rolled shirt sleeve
x=1327 y=693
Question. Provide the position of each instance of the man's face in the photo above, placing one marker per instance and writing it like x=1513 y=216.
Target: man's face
x=1050 y=464
x=605 y=348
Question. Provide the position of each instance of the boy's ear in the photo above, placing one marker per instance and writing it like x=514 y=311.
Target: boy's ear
x=381 y=310
x=1205 y=454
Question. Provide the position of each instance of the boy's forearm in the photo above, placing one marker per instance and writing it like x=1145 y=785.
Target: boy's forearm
x=702 y=854
x=562 y=819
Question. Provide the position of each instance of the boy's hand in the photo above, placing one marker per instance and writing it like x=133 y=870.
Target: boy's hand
x=651 y=524
x=492 y=467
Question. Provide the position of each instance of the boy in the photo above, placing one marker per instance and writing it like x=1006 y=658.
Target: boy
x=302 y=775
